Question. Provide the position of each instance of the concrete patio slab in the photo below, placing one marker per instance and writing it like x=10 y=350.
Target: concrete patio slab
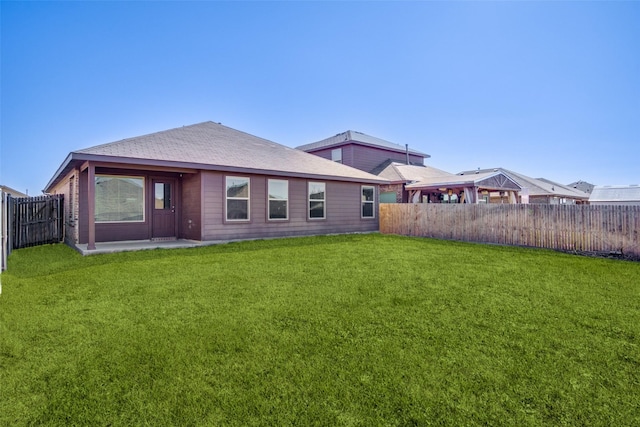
x=139 y=245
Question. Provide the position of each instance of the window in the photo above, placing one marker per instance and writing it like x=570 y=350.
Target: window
x=368 y=201
x=317 y=199
x=119 y=199
x=162 y=195
x=336 y=155
x=237 y=195
x=278 y=191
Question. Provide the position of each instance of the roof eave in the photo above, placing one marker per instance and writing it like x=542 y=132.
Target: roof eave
x=82 y=157
x=57 y=176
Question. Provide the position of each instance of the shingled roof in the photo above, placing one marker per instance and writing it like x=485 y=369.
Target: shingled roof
x=536 y=186
x=212 y=146
x=615 y=193
x=400 y=172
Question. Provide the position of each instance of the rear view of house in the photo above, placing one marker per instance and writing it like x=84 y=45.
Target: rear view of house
x=209 y=182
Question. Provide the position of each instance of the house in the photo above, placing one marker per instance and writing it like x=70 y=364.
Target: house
x=208 y=182
x=535 y=190
x=400 y=174
x=626 y=195
x=363 y=152
x=465 y=188
x=410 y=180
x=426 y=184
x=12 y=192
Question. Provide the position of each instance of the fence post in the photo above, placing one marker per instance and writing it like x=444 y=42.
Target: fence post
x=3 y=232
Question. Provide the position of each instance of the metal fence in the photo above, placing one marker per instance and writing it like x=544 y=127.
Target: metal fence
x=579 y=228
x=30 y=221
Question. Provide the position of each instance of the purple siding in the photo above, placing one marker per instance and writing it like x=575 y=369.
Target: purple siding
x=201 y=209
x=191 y=213
x=367 y=158
x=117 y=231
x=342 y=210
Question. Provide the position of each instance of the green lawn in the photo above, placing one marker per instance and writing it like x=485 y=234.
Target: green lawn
x=360 y=330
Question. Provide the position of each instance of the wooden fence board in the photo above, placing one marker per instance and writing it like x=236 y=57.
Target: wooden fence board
x=581 y=228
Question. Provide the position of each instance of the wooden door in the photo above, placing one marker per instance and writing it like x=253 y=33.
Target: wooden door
x=164 y=208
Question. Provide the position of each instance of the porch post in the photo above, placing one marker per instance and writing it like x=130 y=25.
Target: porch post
x=91 y=206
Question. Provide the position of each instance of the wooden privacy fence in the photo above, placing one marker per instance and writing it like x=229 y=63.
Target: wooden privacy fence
x=35 y=220
x=580 y=228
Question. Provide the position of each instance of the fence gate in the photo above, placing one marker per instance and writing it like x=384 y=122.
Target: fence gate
x=35 y=220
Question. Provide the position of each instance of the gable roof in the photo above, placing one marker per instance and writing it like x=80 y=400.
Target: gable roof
x=536 y=186
x=400 y=172
x=495 y=180
x=615 y=193
x=582 y=186
x=212 y=146
x=351 y=136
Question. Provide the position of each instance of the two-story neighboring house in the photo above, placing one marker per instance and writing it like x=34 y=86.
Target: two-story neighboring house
x=409 y=179
x=373 y=155
x=364 y=152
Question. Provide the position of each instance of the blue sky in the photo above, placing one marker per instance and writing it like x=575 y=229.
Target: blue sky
x=548 y=89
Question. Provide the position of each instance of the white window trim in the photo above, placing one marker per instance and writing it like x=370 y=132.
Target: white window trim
x=373 y=202
x=309 y=200
x=144 y=198
x=269 y=199
x=227 y=198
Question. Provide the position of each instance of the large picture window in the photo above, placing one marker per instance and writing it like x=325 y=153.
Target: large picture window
x=278 y=191
x=119 y=199
x=368 y=201
x=317 y=200
x=237 y=195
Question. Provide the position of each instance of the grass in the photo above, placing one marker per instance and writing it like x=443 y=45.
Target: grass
x=358 y=330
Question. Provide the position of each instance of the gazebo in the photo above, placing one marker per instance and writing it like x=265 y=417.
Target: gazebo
x=465 y=188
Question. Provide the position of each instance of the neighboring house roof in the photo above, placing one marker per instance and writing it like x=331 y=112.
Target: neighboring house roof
x=212 y=146
x=490 y=180
x=536 y=186
x=352 y=136
x=555 y=186
x=14 y=193
x=400 y=172
x=582 y=186
x=615 y=193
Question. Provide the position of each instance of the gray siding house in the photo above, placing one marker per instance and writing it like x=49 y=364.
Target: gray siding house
x=209 y=182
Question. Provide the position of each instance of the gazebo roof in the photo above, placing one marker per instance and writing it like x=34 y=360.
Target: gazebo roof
x=494 y=181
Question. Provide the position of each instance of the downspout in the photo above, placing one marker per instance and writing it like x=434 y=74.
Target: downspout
x=406 y=148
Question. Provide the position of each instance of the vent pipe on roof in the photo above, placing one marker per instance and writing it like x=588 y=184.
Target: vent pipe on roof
x=406 y=147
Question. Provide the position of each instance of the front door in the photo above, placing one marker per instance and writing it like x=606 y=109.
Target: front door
x=164 y=209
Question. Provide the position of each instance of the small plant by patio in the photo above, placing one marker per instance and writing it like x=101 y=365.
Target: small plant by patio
x=341 y=330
